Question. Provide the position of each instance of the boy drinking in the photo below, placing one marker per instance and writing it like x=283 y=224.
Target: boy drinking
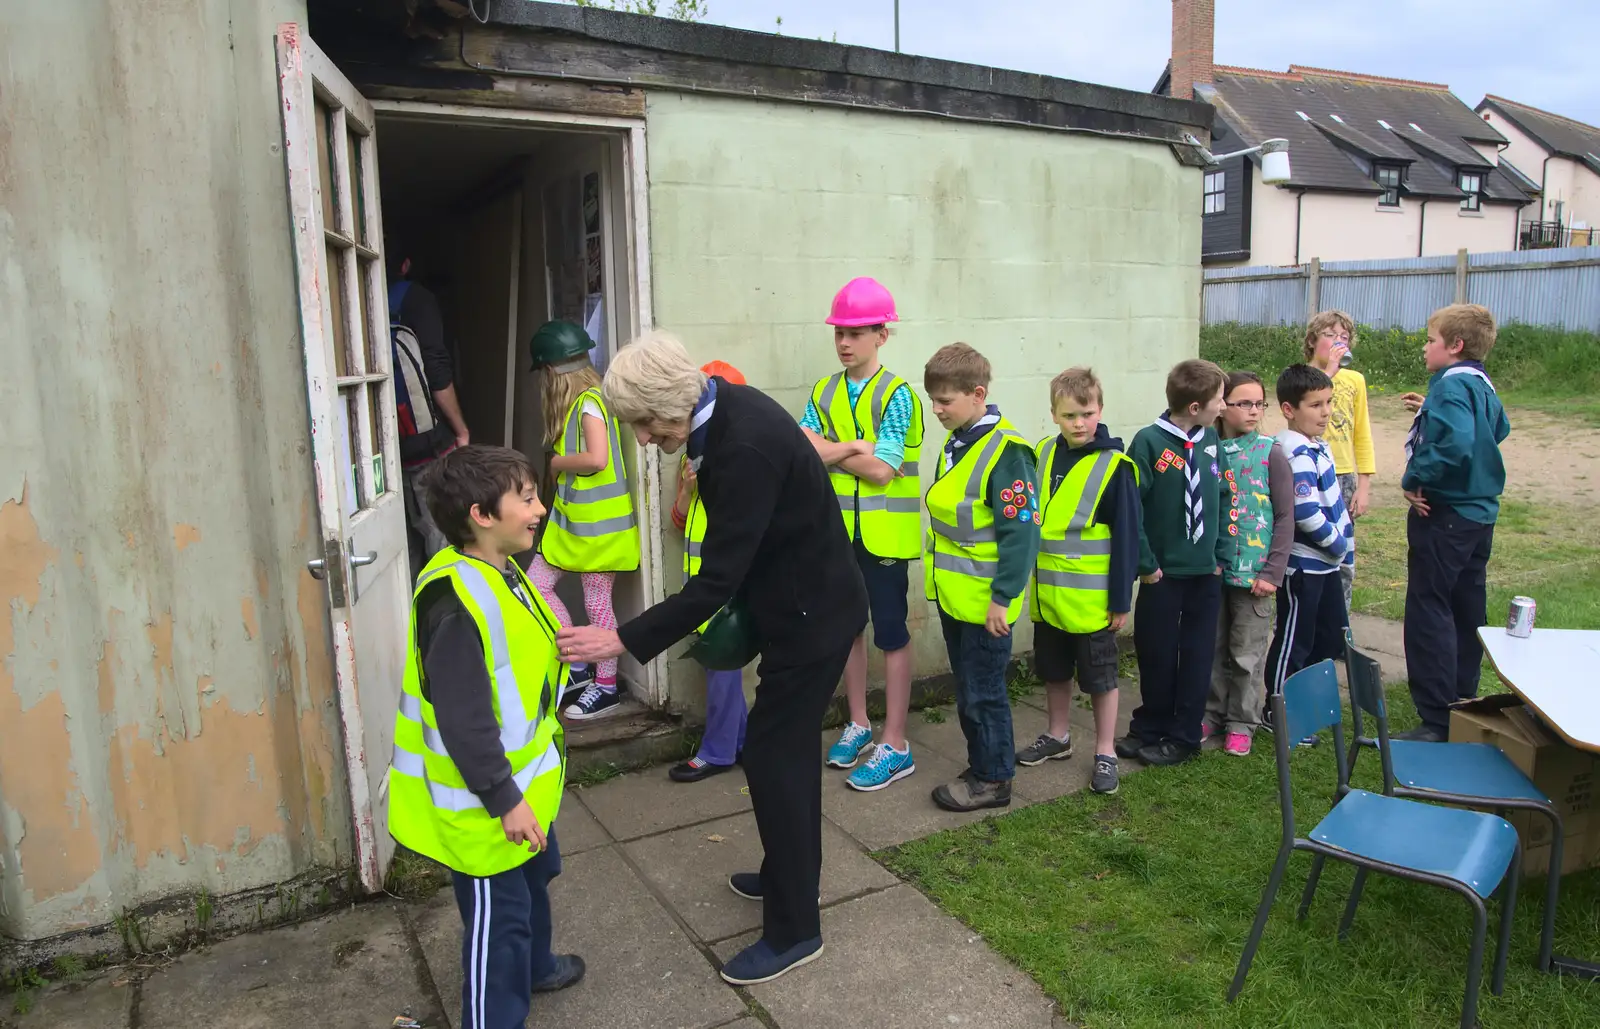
x=983 y=537
x=1329 y=337
x=1183 y=495
x=866 y=424
x=479 y=761
x=1083 y=579
x=1311 y=614
x=1453 y=480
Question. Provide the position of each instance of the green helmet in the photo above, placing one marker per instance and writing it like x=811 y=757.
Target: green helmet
x=728 y=641
x=558 y=341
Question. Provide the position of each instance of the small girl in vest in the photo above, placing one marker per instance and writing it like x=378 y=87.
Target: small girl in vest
x=726 y=712
x=1258 y=530
x=591 y=529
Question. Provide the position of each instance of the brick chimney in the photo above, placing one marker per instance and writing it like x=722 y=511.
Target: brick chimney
x=1193 y=39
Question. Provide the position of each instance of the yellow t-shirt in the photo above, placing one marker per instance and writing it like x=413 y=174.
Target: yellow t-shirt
x=1349 y=433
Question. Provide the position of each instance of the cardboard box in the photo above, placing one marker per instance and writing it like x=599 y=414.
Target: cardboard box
x=1568 y=776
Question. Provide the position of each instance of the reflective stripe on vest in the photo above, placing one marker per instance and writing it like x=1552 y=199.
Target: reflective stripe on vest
x=431 y=810
x=966 y=549
x=592 y=527
x=1072 y=577
x=694 y=538
x=890 y=516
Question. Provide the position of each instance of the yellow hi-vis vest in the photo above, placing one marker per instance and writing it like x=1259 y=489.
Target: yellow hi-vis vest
x=890 y=516
x=966 y=548
x=1072 y=577
x=694 y=538
x=430 y=808
x=592 y=527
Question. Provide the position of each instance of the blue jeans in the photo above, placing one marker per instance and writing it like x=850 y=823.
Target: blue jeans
x=505 y=946
x=978 y=661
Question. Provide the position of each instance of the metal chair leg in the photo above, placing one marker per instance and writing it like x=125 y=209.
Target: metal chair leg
x=1552 y=891
x=1508 y=907
x=1260 y=924
x=1350 y=905
x=1480 y=928
x=1317 y=861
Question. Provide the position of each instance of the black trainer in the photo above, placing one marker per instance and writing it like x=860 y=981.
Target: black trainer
x=1167 y=752
x=1127 y=747
x=595 y=702
x=569 y=972
x=1045 y=748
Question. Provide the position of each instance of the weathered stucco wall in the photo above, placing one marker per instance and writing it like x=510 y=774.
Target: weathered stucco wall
x=1042 y=249
x=166 y=717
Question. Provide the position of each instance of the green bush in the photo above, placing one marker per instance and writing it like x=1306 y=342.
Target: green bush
x=1525 y=357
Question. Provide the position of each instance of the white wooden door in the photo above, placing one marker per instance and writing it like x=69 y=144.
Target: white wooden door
x=331 y=154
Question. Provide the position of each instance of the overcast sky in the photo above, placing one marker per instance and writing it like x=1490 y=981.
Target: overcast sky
x=1540 y=52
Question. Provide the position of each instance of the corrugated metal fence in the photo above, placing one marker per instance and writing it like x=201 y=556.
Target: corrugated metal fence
x=1557 y=288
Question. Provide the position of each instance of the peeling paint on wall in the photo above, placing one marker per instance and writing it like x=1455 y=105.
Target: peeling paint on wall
x=184 y=536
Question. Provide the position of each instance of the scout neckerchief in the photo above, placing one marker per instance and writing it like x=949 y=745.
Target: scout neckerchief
x=1460 y=368
x=1194 y=526
x=698 y=422
x=964 y=438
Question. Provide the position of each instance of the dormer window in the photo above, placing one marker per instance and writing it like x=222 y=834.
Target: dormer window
x=1388 y=176
x=1471 y=184
x=1216 y=200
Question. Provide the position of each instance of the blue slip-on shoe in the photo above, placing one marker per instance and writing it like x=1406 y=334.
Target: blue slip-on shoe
x=886 y=766
x=852 y=742
x=759 y=963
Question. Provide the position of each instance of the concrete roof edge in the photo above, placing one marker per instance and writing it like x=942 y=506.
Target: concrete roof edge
x=742 y=46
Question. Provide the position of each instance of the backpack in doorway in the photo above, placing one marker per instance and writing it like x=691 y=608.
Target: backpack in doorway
x=424 y=435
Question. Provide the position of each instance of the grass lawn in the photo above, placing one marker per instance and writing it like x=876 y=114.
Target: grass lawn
x=1132 y=910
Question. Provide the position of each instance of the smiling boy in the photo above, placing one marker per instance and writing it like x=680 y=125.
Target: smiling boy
x=479 y=762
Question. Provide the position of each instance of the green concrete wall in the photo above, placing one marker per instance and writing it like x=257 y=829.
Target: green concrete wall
x=1043 y=249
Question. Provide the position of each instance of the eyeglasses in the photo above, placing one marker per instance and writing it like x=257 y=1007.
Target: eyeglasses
x=1249 y=405
x=1334 y=334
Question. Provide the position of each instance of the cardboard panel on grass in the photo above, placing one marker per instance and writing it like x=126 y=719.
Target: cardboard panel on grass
x=1562 y=772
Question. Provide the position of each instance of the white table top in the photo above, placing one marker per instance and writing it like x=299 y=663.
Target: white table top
x=1557 y=673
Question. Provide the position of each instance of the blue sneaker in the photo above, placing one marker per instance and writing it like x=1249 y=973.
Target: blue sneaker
x=759 y=963
x=884 y=767
x=852 y=742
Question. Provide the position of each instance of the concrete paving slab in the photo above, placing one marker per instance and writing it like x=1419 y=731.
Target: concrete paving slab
x=904 y=811
x=95 y=1003
x=352 y=968
x=632 y=806
x=644 y=973
x=1385 y=641
x=577 y=830
x=940 y=973
x=690 y=869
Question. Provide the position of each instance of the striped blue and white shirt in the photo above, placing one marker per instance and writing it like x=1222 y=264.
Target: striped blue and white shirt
x=1324 y=538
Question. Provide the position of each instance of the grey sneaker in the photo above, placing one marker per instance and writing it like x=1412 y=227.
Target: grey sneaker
x=1104 y=779
x=970 y=793
x=1045 y=748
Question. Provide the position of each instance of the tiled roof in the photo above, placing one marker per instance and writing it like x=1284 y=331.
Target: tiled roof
x=1338 y=123
x=1561 y=136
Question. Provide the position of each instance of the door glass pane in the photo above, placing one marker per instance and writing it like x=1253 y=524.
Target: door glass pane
x=325 y=165
x=341 y=325
x=375 y=335
x=375 y=409
x=357 y=185
x=361 y=472
x=344 y=412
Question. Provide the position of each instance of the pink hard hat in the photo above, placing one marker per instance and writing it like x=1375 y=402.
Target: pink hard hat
x=863 y=301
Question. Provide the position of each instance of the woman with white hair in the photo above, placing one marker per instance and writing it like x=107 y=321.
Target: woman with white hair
x=775 y=542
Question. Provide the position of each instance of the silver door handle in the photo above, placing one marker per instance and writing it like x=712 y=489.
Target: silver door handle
x=362 y=560
x=318 y=568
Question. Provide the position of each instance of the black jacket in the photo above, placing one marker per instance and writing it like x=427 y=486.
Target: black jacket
x=774 y=537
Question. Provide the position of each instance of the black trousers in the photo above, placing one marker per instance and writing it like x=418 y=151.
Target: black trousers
x=1311 y=624
x=1175 y=638
x=1446 y=559
x=783 y=764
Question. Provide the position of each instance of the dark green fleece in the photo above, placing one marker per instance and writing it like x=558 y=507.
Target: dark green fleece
x=1163 y=542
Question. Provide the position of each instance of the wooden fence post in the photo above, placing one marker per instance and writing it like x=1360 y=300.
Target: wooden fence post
x=1461 y=275
x=1314 y=288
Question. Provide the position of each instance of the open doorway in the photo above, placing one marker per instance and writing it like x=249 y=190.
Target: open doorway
x=510 y=222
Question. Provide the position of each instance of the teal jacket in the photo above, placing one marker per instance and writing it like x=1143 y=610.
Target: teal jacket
x=1454 y=444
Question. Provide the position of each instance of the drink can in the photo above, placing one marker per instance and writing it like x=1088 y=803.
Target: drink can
x=1346 y=360
x=1519 y=622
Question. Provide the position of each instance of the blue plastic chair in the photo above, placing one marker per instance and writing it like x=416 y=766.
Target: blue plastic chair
x=1468 y=852
x=1474 y=775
